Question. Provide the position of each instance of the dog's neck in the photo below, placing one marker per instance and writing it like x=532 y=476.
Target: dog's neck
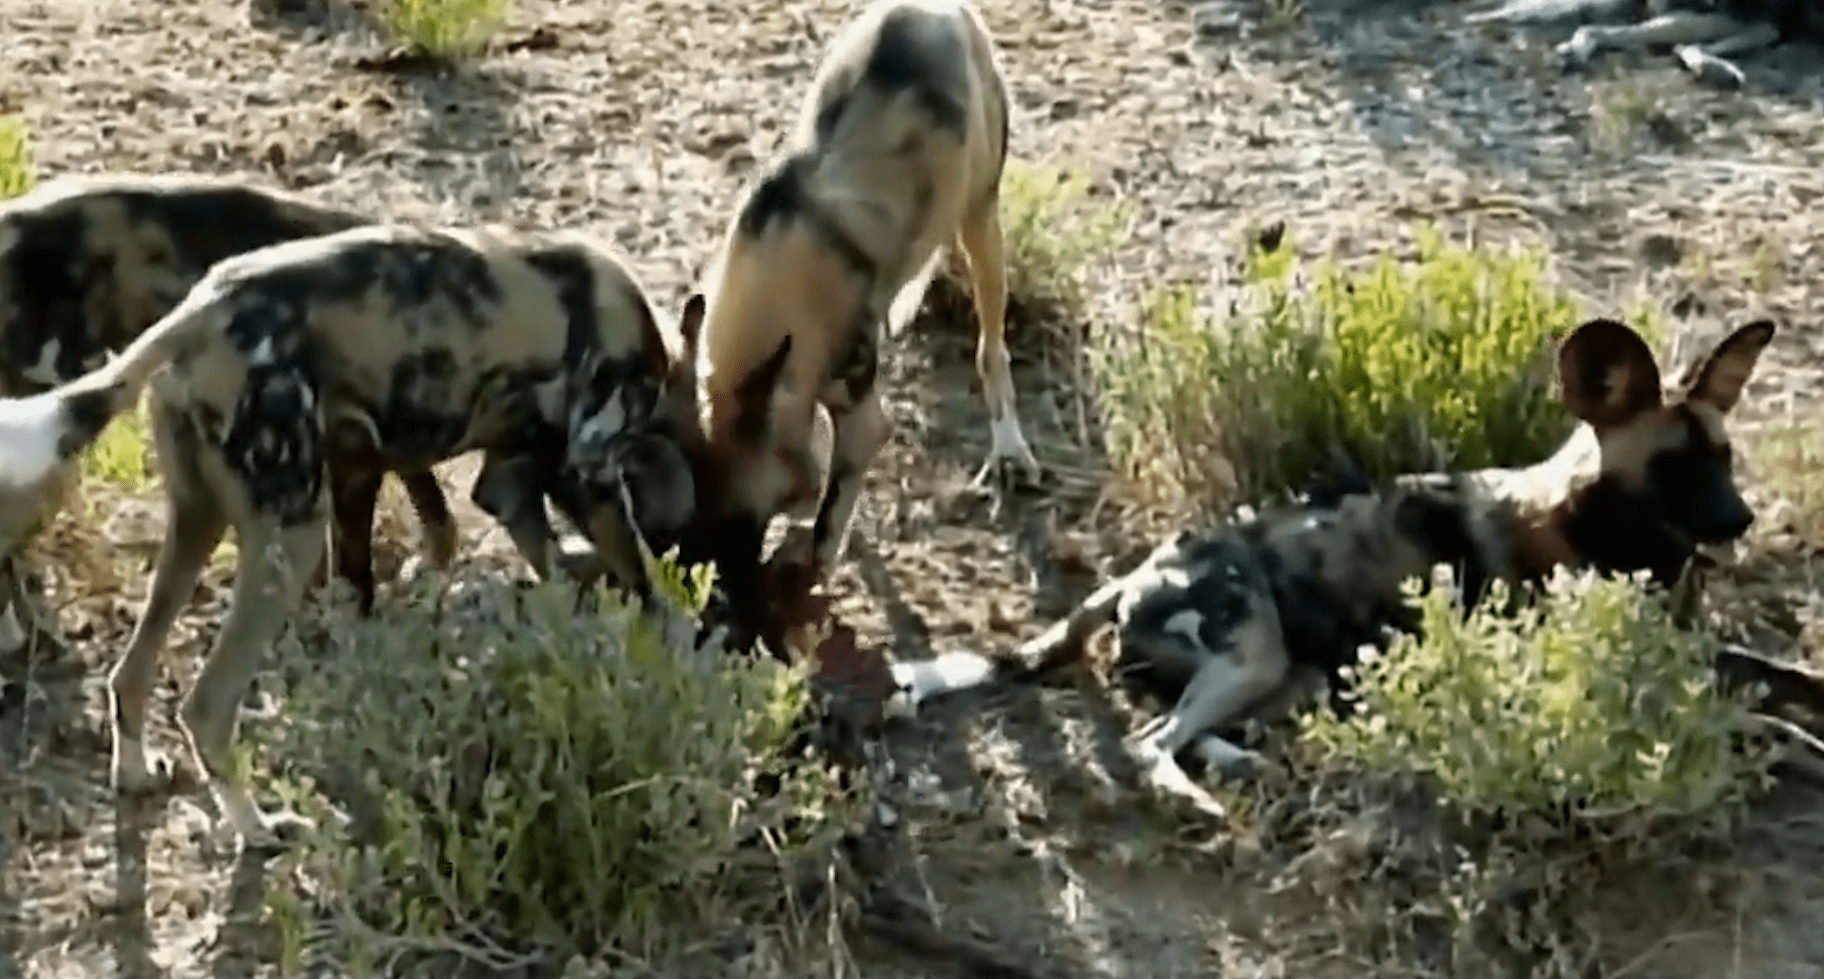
x=1535 y=505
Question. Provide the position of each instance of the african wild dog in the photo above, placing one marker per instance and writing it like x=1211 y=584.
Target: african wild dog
x=1221 y=620
x=1702 y=34
x=88 y=263
x=895 y=157
x=411 y=344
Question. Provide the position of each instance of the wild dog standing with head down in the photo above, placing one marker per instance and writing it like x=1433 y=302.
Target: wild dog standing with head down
x=411 y=344
x=88 y=263
x=897 y=155
x=1220 y=620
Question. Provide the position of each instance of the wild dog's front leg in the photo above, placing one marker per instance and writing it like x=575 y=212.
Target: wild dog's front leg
x=435 y=521
x=354 y=491
x=981 y=242
x=195 y=522
x=857 y=435
x=509 y=488
x=268 y=585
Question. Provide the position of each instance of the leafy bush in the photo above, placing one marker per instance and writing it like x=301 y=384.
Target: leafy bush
x=1592 y=699
x=1054 y=231
x=1446 y=362
x=520 y=778
x=16 y=176
x=444 y=29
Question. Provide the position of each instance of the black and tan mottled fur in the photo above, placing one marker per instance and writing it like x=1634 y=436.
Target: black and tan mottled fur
x=87 y=263
x=1223 y=619
x=409 y=344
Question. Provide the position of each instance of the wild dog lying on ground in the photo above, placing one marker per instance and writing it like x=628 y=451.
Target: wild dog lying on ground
x=1702 y=34
x=410 y=344
x=88 y=263
x=1220 y=620
x=896 y=155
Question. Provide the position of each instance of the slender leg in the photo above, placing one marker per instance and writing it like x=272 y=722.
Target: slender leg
x=194 y=525
x=267 y=590
x=354 y=490
x=859 y=432
x=981 y=242
x=433 y=509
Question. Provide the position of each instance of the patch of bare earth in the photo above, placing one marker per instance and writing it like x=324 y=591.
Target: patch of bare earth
x=1025 y=840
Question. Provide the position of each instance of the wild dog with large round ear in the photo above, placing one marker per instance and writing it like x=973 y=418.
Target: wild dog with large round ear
x=895 y=158
x=1220 y=619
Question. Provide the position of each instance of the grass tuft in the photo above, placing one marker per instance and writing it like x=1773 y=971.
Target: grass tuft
x=448 y=30
x=17 y=174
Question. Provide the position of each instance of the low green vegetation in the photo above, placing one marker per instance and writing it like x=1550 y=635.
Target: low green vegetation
x=448 y=30
x=523 y=781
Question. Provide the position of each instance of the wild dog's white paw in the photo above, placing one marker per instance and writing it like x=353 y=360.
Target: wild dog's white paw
x=1708 y=68
x=259 y=831
x=1163 y=774
x=1575 y=54
x=137 y=771
x=1008 y=453
x=13 y=635
x=1229 y=760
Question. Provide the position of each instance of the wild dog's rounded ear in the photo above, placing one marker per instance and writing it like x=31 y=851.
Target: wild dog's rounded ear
x=1606 y=373
x=1723 y=374
x=690 y=319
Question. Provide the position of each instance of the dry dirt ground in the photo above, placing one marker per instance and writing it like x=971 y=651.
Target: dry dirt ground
x=1347 y=120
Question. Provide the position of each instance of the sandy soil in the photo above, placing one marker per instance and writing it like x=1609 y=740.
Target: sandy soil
x=1347 y=120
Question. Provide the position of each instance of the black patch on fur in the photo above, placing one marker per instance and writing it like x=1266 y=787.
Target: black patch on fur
x=781 y=196
x=908 y=58
x=1442 y=526
x=425 y=415
x=60 y=269
x=574 y=278
x=85 y=414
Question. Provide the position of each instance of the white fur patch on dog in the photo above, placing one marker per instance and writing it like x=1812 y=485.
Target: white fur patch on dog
x=949 y=672
x=30 y=429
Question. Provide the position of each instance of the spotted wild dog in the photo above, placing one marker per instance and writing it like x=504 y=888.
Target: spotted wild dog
x=412 y=344
x=896 y=156
x=1221 y=620
x=1702 y=34
x=87 y=263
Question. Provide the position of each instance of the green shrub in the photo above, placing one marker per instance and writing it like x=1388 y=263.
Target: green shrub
x=16 y=171
x=1054 y=231
x=1591 y=699
x=519 y=777
x=446 y=29
x=1443 y=363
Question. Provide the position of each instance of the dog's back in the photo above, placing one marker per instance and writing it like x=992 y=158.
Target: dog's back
x=88 y=263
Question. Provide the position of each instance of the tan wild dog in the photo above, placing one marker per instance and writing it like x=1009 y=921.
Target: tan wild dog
x=896 y=156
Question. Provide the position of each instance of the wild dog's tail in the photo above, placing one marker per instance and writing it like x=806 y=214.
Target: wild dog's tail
x=952 y=672
x=912 y=295
x=40 y=433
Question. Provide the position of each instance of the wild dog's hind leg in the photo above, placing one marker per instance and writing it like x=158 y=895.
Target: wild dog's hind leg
x=194 y=524
x=981 y=242
x=1250 y=665
x=267 y=588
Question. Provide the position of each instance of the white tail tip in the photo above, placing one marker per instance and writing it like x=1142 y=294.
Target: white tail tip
x=30 y=429
x=920 y=681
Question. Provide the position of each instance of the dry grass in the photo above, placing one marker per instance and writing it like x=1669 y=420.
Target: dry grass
x=1020 y=841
